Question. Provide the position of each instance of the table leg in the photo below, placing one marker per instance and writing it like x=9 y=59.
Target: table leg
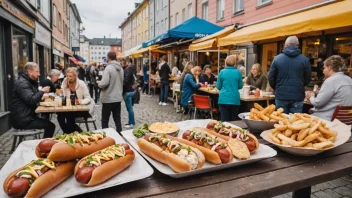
x=302 y=193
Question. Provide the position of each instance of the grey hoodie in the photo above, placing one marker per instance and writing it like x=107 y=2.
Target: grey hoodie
x=112 y=83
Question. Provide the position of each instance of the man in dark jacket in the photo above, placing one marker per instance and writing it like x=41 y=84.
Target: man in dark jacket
x=289 y=73
x=26 y=97
x=164 y=73
x=129 y=84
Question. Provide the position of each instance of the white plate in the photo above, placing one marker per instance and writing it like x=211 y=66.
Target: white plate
x=262 y=153
x=343 y=134
x=139 y=169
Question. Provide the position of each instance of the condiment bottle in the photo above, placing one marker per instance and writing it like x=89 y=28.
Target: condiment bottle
x=257 y=93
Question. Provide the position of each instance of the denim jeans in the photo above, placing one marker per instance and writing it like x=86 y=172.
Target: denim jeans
x=145 y=88
x=164 y=91
x=128 y=97
x=290 y=106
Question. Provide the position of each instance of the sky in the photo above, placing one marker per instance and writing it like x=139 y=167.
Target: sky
x=103 y=17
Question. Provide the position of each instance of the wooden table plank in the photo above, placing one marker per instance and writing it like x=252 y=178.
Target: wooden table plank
x=276 y=182
x=42 y=109
x=254 y=99
x=155 y=186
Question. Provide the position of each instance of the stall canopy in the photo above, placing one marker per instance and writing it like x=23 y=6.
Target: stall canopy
x=79 y=58
x=191 y=29
x=132 y=50
x=210 y=41
x=74 y=60
x=330 y=16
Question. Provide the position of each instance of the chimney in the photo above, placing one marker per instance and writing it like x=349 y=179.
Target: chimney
x=128 y=13
x=136 y=5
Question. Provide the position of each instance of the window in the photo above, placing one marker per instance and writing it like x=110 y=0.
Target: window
x=190 y=14
x=157 y=5
x=64 y=5
x=162 y=4
x=39 y=6
x=183 y=14
x=146 y=12
x=176 y=19
x=162 y=25
x=220 y=9
x=205 y=11
x=157 y=29
x=146 y=35
x=263 y=2
x=59 y=22
x=238 y=6
x=54 y=15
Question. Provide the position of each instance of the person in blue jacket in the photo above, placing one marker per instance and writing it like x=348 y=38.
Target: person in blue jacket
x=145 y=78
x=229 y=82
x=289 y=73
x=190 y=86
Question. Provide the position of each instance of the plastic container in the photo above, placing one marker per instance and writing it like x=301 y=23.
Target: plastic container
x=246 y=90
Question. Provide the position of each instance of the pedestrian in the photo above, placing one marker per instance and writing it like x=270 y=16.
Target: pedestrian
x=190 y=86
x=73 y=86
x=92 y=74
x=145 y=89
x=129 y=85
x=81 y=71
x=164 y=73
x=61 y=68
x=25 y=100
x=111 y=94
x=229 y=82
x=289 y=73
x=336 y=89
x=256 y=79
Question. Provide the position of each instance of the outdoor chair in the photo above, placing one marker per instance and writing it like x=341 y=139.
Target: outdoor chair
x=86 y=120
x=152 y=86
x=344 y=114
x=203 y=103
x=21 y=134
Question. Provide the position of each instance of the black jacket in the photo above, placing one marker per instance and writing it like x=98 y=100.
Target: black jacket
x=25 y=99
x=128 y=79
x=289 y=72
x=81 y=73
x=164 y=72
x=204 y=78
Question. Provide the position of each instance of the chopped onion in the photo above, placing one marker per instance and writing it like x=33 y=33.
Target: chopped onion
x=26 y=176
x=230 y=134
x=95 y=163
x=216 y=145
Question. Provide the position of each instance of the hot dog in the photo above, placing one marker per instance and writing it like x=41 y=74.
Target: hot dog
x=72 y=146
x=37 y=178
x=102 y=165
x=170 y=151
x=218 y=129
x=214 y=149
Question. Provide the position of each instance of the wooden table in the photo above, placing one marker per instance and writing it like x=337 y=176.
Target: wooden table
x=267 y=178
x=43 y=109
x=206 y=89
x=249 y=101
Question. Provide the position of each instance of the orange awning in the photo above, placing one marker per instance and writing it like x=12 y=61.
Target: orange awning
x=203 y=45
x=330 y=16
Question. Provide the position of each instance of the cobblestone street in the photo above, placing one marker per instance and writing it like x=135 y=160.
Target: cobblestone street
x=149 y=111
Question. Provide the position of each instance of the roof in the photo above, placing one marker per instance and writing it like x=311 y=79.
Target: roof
x=140 y=4
x=84 y=37
x=105 y=41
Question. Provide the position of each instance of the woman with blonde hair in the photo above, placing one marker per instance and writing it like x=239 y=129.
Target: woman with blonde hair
x=229 y=82
x=187 y=70
x=77 y=88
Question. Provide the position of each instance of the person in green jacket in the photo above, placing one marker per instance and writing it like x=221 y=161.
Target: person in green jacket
x=229 y=82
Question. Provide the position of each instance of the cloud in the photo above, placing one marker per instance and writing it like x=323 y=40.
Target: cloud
x=103 y=17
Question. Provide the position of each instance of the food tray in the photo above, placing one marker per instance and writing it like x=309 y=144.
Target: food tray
x=139 y=169
x=343 y=134
x=262 y=153
x=256 y=126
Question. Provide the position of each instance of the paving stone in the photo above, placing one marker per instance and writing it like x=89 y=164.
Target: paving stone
x=339 y=182
x=323 y=194
x=343 y=190
x=321 y=186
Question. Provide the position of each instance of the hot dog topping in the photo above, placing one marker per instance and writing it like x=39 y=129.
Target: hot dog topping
x=206 y=140
x=36 y=168
x=232 y=132
x=112 y=152
x=81 y=138
x=184 y=152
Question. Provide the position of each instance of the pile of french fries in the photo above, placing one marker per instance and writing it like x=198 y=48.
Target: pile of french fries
x=303 y=130
x=266 y=114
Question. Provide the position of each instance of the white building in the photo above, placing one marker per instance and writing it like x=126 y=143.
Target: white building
x=84 y=50
x=75 y=21
x=100 y=47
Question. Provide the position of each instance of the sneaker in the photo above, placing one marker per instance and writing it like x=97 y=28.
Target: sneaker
x=129 y=126
x=160 y=103
x=164 y=104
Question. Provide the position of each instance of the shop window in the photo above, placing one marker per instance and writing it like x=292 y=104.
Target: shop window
x=343 y=47
x=220 y=9
x=20 y=52
x=314 y=48
x=47 y=61
x=268 y=53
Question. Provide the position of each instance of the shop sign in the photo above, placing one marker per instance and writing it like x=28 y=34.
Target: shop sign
x=75 y=49
x=17 y=13
x=198 y=35
x=42 y=35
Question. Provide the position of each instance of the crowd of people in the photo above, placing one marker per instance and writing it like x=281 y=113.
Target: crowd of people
x=289 y=73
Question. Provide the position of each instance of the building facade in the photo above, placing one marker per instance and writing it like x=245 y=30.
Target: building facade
x=180 y=11
x=60 y=33
x=158 y=17
x=84 y=50
x=75 y=21
x=116 y=47
x=100 y=47
x=126 y=34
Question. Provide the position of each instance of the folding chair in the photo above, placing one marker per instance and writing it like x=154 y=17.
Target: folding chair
x=203 y=103
x=343 y=113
